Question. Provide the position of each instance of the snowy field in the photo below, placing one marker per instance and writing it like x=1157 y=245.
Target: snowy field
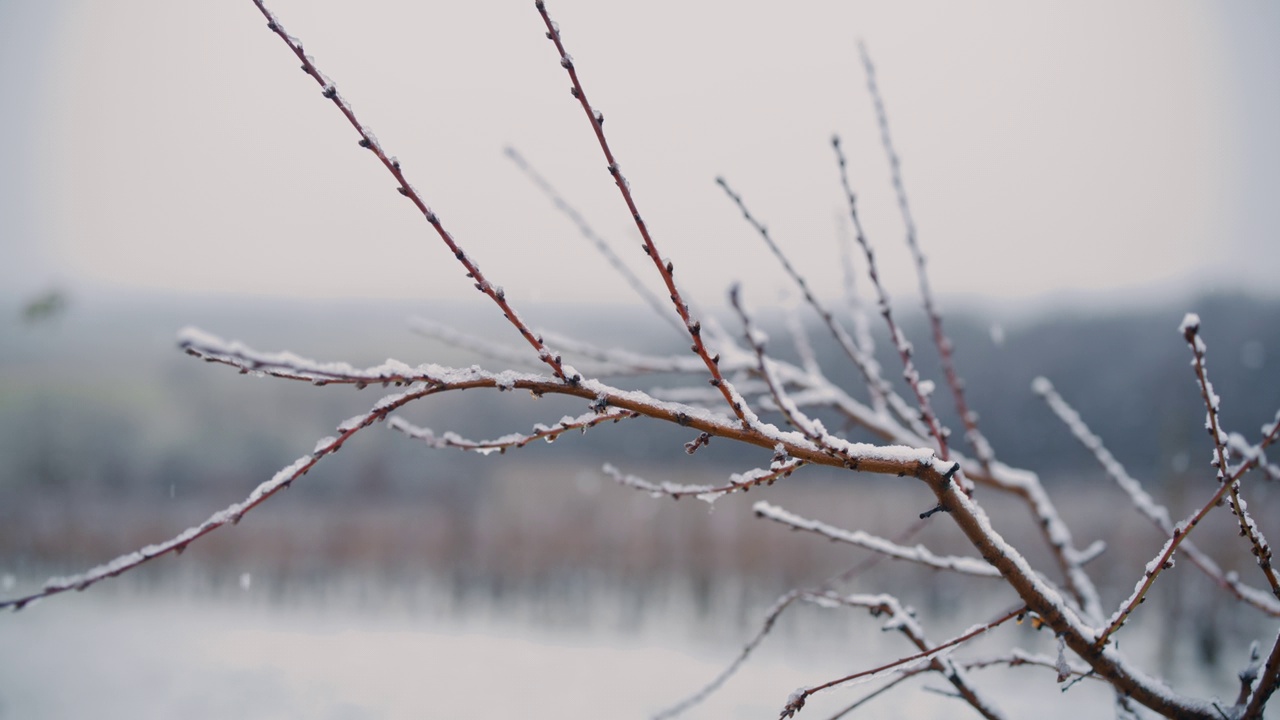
x=163 y=654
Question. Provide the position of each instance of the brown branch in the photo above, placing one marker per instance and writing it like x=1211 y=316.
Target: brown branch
x=946 y=349
x=1267 y=684
x=798 y=698
x=666 y=269
x=909 y=372
x=860 y=358
x=514 y=440
x=1163 y=561
x=231 y=514
x=599 y=243
x=782 y=466
x=1145 y=504
x=903 y=620
x=370 y=142
x=1248 y=528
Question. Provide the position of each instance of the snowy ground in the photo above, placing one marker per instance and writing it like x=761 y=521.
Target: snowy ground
x=165 y=655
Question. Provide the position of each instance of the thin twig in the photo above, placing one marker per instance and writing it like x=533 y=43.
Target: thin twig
x=1163 y=560
x=918 y=554
x=946 y=349
x=599 y=243
x=909 y=372
x=370 y=142
x=666 y=269
x=1248 y=528
x=798 y=698
x=902 y=619
x=781 y=466
x=1267 y=684
x=1145 y=504
x=860 y=358
x=232 y=513
x=514 y=440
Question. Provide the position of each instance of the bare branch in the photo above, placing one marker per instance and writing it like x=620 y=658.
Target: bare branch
x=946 y=350
x=370 y=142
x=599 y=243
x=514 y=440
x=1248 y=528
x=1143 y=502
x=798 y=698
x=1267 y=684
x=918 y=554
x=770 y=617
x=666 y=269
x=860 y=358
x=781 y=466
x=230 y=514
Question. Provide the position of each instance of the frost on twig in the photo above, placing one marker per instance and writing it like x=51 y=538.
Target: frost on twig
x=1249 y=529
x=930 y=657
x=1145 y=504
x=946 y=350
x=600 y=244
x=780 y=467
x=664 y=267
x=909 y=372
x=370 y=143
x=550 y=433
x=861 y=357
x=231 y=514
x=918 y=554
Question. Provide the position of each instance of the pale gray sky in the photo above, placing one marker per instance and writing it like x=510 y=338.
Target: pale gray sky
x=1049 y=148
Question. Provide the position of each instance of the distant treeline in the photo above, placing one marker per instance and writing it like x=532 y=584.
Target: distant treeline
x=103 y=403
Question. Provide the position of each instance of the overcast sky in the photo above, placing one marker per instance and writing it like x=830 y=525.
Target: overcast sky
x=1049 y=149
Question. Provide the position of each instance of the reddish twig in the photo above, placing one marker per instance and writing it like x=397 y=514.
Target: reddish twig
x=666 y=269
x=599 y=243
x=1145 y=504
x=860 y=357
x=514 y=440
x=909 y=372
x=798 y=698
x=1248 y=528
x=782 y=466
x=946 y=349
x=231 y=514
x=1163 y=560
x=1267 y=684
x=370 y=142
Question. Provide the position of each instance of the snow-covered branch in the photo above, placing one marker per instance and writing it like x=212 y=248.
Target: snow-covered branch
x=918 y=554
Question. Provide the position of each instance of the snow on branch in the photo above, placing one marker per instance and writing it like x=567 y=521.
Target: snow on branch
x=918 y=554
x=902 y=619
x=451 y=439
x=600 y=244
x=861 y=358
x=231 y=514
x=921 y=659
x=1145 y=504
x=909 y=372
x=287 y=365
x=1190 y=329
x=369 y=142
x=1164 y=560
x=946 y=350
x=782 y=466
x=665 y=268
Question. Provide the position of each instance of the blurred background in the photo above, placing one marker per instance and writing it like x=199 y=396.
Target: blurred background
x=1080 y=177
